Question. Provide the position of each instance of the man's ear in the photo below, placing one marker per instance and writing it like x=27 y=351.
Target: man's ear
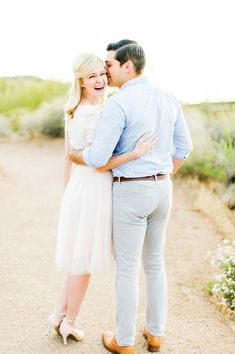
x=129 y=66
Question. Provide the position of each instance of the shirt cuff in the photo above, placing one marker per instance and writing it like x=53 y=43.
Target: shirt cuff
x=181 y=155
x=85 y=156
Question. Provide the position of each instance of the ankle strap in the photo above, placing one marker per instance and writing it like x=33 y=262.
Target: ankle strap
x=70 y=320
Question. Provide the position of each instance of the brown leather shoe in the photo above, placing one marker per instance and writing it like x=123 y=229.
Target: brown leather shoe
x=110 y=344
x=154 y=342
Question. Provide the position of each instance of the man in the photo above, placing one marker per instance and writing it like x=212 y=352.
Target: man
x=142 y=189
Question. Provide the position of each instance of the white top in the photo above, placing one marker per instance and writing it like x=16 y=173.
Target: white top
x=82 y=127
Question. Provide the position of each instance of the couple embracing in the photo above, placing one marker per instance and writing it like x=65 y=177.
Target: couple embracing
x=120 y=156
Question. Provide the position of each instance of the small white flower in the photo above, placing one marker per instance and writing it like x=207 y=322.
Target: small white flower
x=223 y=258
x=219 y=277
x=215 y=289
x=226 y=242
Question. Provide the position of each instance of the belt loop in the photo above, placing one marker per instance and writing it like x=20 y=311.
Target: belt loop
x=119 y=180
x=155 y=176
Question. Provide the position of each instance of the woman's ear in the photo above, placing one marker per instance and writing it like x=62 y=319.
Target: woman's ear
x=81 y=83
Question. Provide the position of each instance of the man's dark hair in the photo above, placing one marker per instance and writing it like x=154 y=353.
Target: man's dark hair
x=133 y=52
x=119 y=44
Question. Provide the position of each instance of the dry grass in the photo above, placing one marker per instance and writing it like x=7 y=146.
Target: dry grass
x=207 y=198
x=225 y=311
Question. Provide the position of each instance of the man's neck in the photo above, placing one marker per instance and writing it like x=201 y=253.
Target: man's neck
x=131 y=77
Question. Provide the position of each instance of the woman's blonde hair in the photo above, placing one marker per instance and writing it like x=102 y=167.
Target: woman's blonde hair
x=82 y=66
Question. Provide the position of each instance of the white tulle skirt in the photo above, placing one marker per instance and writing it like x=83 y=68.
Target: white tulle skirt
x=84 y=242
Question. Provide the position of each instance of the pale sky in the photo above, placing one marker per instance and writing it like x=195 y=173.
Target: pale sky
x=189 y=45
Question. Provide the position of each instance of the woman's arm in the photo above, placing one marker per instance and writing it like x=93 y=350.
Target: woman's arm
x=142 y=147
x=67 y=162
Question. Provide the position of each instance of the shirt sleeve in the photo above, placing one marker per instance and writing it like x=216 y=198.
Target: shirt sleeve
x=182 y=140
x=107 y=135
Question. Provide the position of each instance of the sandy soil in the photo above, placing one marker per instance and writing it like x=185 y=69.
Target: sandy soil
x=31 y=187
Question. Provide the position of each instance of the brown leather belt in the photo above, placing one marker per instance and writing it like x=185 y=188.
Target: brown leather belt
x=147 y=178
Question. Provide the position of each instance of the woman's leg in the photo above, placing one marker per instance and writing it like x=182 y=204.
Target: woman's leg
x=77 y=287
x=69 y=305
x=73 y=294
x=63 y=301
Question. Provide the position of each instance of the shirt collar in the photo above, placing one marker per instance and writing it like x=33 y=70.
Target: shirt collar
x=136 y=81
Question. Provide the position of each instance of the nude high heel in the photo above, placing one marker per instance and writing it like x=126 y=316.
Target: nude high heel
x=68 y=329
x=55 y=320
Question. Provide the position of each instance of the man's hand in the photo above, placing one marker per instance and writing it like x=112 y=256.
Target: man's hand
x=76 y=156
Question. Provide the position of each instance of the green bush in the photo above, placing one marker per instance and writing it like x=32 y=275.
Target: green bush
x=226 y=147
x=204 y=167
x=27 y=93
x=20 y=95
x=212 y=127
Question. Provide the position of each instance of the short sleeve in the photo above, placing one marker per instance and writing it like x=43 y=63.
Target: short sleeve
x=91 y=125
x=65 y=124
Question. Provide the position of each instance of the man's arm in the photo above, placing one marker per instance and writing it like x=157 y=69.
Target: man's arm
x=106 y=138
x=176 y=165
x=182 y=142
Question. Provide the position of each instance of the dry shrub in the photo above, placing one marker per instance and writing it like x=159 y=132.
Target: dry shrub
x=208 y=199
x=46 y=120
x=4 y=126
x=229 y=196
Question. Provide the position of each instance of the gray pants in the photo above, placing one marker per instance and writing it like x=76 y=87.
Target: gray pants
x=140 y=214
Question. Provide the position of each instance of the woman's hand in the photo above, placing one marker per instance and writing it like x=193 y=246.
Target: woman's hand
x=144 y=145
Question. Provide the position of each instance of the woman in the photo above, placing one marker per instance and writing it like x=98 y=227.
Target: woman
x=84 y=244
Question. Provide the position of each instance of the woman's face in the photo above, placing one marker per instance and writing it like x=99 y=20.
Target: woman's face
x=95 y=82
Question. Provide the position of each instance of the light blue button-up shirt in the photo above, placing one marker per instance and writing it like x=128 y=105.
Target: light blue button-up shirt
x=139 y=108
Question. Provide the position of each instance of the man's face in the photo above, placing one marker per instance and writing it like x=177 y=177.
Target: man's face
x=113 y=70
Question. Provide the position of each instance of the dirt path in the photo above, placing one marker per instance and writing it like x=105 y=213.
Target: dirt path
x=30 y=192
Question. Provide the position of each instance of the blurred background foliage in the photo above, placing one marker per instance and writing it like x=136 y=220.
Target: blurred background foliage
x=31 y=97
x=212 y=126
x=33 y=107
